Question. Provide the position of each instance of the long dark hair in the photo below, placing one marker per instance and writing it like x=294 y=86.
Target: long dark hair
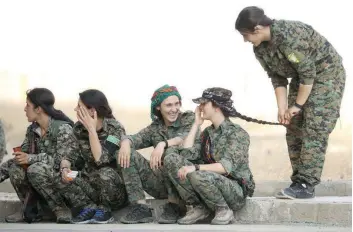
x=236 y=114
x=45 y=99
x=250 y=17
x=93 y=98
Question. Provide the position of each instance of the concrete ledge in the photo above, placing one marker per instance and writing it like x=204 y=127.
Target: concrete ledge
x=269 y=188
x=261 y=210
x=45 y=227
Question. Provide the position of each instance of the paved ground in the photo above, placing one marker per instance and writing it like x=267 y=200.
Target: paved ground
x=160 y=228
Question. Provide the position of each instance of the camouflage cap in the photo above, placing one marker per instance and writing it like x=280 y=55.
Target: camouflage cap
x=220 y=96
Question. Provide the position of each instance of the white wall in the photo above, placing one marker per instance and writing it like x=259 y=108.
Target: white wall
x=129 y=48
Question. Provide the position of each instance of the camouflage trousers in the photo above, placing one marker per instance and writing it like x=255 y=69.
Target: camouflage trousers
x=308 y=133
x=204 y=187
x=18 y=177
x=47 y=182
x=139 y=177
x=103 y=189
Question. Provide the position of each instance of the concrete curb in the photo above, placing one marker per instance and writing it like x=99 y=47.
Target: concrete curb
x=268 y=188
x=320 y=210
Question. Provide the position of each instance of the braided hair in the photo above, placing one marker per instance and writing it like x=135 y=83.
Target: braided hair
x=248 y=119
x=234 y=113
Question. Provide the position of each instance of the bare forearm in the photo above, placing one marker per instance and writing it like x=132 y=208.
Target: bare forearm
x=281 y=96
x=303 y=93
x=190 y=138
x=216 y=167
x=175 y=141
x=96 y=147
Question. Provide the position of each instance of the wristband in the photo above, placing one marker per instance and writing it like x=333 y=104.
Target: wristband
x=62 y=169
x=298 y=106
x=166 y=144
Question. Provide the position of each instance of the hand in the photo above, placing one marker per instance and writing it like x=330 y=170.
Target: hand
x=88 y=121
x=64 y=177
x=183 y=171
x=198 y=119
x=292 y=111
x=124 y=154
x=156 y=156
x=21 y=157
x=281 y=116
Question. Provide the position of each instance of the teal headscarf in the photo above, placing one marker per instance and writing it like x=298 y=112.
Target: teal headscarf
x=160 y=95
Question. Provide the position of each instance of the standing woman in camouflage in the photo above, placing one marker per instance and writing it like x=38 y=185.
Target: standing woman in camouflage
x=292 y=49
x=211 y=172
x=98 y=135
x=46 y=142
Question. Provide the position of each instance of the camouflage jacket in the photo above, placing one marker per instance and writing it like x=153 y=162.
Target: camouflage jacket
x=296 y=50
x=3 y=151
x=53 y=146
x=157 y=131
x=229 y=144
x=109 y=137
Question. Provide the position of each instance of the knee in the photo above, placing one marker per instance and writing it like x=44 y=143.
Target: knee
x=36 y=168
x=196 y=178
x=171 y=159
x=16 y=171
x=108 y=174
x=36 y=171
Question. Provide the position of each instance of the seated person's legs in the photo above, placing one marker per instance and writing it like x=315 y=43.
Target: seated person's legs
x=139 y=177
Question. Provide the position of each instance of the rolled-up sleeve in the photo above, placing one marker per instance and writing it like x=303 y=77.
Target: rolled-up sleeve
x=110 y=146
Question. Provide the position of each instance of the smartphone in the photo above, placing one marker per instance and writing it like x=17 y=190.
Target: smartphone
x=72 y=175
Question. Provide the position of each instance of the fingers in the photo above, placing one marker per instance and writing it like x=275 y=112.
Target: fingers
x=80 y=113
x=182 y=173
x=84 y=111
x=159 y=161
x=124 y=159
x=154 y=162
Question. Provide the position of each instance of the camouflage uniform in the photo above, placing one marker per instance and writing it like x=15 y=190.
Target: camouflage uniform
x=99 y=180
x=3 y=151
x=43 y=164
x=297 y=51
x=139 y=176
x=227 y=145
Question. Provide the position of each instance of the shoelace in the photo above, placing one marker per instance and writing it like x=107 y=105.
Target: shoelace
x=99 y=213
x=84 y=212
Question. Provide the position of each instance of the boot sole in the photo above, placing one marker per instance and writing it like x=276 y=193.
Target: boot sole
x=193 y=221
x=222 y=222
x=294 y=198
x=83 y=222
x=163 y=221
x=281 y=196
x=101 y=222
x=144 y=220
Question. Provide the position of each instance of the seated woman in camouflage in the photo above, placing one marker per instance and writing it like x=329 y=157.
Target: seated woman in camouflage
x=99 y=188
x=168 y=128
x=212 y=172
x=37 y=164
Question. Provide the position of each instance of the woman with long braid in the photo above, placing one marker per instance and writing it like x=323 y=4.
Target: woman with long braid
x=212 y=173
